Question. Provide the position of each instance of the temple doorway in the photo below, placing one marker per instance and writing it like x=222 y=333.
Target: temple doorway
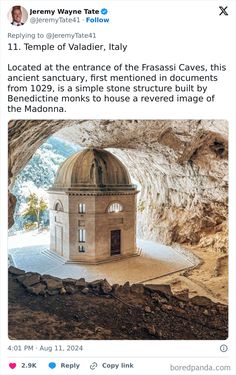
x=115 y=242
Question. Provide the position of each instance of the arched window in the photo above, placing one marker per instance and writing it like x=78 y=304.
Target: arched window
x=58 y=206
x=115 y=207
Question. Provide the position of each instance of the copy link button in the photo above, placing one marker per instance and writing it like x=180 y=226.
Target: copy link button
x=93 y=365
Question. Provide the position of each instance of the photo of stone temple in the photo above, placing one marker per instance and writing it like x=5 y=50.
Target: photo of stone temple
x=118 y=229
x=93 y=209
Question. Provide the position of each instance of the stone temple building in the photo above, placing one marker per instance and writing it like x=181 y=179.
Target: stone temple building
x=93 y=209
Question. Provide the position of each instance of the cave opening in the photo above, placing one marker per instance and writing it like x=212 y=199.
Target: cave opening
x=34 y=237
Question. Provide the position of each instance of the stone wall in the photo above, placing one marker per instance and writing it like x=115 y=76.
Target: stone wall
x=148 y=311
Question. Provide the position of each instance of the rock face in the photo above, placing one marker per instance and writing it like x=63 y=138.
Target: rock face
x=181 y=166
x=11 y=208
x=107 y=312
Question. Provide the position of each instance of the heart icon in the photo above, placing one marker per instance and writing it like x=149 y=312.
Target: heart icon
x=12 y=365
x=52 y=365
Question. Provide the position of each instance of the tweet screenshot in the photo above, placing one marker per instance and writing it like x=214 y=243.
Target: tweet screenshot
x=117 y=193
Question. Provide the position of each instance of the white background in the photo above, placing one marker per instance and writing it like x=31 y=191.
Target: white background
x=157 y=32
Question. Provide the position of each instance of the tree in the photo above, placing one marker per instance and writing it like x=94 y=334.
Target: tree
x=35 y=207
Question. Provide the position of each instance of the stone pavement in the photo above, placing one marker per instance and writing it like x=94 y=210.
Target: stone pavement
x=28 y=253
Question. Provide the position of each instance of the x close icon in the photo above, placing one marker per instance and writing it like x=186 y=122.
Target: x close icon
x=223 y=11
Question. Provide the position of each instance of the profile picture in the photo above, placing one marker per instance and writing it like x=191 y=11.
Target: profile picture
x=17 y=15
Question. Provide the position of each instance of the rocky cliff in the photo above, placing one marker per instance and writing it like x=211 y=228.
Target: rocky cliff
x=44 y=307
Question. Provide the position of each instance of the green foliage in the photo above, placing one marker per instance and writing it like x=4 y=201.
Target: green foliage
x=30 y=226
x=38 y=175
x=35 y=207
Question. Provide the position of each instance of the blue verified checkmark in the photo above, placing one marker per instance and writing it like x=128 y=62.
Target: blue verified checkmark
x=104 y=11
